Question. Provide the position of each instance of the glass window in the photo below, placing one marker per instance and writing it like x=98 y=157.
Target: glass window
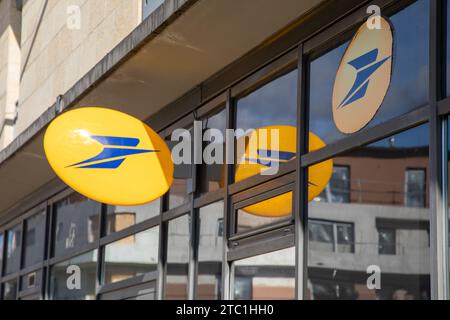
x=10 y=290
x=266 y=212
x=132 y=256
x=31 y=280
x=331 y=236
x=409 y=84
x=210 y=250
x=177 y=259
x=182 y=183
x=270 y=276
x=415 y=188
x=123 y=217
x=377 y=202
x=76 y=223
x=338 y=190
x=273 y=106
x=67 y=272
x=34 y=247
x=13 y=249
x=211 y=172
x=386 y=241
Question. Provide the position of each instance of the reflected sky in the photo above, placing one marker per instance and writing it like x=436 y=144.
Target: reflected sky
x=273 y=104
x=409 y=84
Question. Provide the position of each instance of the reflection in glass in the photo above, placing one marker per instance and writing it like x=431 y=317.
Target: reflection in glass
x=338 y=190
x=10 y=290
x=377 y=226
x=448 y=48
x=266 y=212
x=123 y=217
x=132 y=256
x=211 y=173
x=210 y=252
x=409 y=85
x=270 y=276
x=13 y=249
x=34 y=239
x=59 y=276
x=31 y=280
x=273 y=105
x=182 y=182
x=77 y=223
x=177 y=259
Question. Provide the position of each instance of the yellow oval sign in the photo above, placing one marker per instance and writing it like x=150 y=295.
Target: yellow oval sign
x=109 y=156
x=256 y=160
x=363 y=77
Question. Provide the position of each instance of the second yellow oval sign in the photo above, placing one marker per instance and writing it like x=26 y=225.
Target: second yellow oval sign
x=109 y=156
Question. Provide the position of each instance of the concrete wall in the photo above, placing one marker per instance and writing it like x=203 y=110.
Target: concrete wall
x=55 y=56
x=9 y=67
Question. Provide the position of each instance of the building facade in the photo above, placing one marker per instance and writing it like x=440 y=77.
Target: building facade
x=378 y=230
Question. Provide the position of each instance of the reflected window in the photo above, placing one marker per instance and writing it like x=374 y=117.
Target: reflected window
x=331 y=236
x=210 y=250
x=386 y=241
x=409 y=84
x=182 y=183
x=387 y=233
x=211 y=172
x=177 y=259
x=31 y=280
x=338 y=190
x=415 y=188
x=34 y=247
x=10 y=290
x=270 y=276
x=272 y=107
x=132 y=256
x=13 y=246
x=86 y=264
x=76 y=223
x=123 y=217
x=270 y=211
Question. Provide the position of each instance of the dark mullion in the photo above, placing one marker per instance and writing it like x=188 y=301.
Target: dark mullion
x=300 y=188
x=438 y=221
x=227 y=219
x=102 y=230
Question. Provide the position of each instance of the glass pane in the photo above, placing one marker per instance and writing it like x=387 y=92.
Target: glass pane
x=415 y=188
x=211 y=172
x=13 y=249
x=74 y=279
x=273 y=106
x=270 y=276
x=210 y=250
x=338 y=190
x=77 y=223
x=409 y=84
x=132 y=256
x=182 y=182
x=150 y=6
x=448 y=48
x=34 y=239
x=10 y=290
x=177 y=259
x=31 y=280
x=376 y=229
x=266 y=212
x=123 y=217
x=1 y=253
x=321 y=236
